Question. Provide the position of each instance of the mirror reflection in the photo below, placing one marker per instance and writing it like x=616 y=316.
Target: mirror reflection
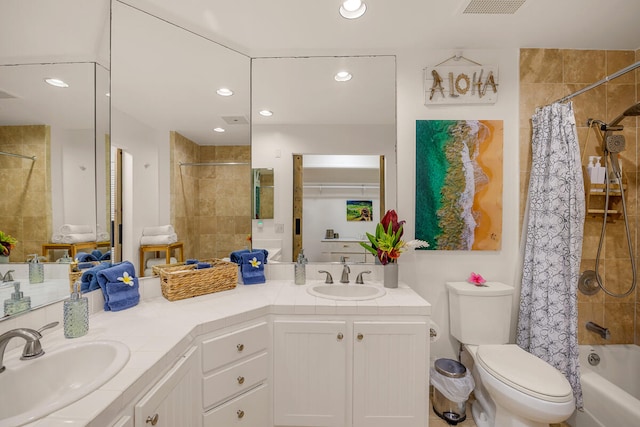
x=262 y=194
x=316 y=111
x=185 y=142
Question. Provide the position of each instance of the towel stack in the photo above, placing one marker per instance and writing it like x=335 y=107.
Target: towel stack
x=70 y=233
x=160 y=235
x=251 y=265
x=119 y=286
x=89 y=278
x=96 y=255
x=152 y=262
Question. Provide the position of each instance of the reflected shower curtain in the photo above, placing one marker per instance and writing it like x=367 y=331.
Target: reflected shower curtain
x=548 y=318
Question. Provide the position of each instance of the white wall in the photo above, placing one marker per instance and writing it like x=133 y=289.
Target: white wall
x=427 y=271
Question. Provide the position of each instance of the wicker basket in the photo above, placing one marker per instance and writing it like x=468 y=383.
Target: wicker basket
x=180 y=281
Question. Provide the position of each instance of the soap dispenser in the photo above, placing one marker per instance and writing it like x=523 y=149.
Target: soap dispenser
x=36 y=269
x=76 y=314
x=300 y=269
x=17 y=303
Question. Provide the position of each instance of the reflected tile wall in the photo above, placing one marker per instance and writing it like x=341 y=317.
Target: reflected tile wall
x=550 y=74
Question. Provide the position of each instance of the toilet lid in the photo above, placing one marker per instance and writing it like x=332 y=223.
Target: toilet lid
x=524 y=372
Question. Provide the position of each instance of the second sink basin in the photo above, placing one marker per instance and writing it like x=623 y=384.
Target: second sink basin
x=39 y=387
x=347 y=292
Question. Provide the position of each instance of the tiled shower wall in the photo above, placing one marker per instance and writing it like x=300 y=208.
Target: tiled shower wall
x=545 y=76
x=210 y=205
x=25 y=188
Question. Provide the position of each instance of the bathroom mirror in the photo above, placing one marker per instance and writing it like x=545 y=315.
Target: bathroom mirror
x=66 y=129
x=314 y=113
x=186 y=148
x=262 y=193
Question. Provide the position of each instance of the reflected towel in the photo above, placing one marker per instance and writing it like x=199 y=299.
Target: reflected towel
x=57 y=238
x=75 y=229
x=160 y=261
x=191 y=261
x=103 y=236
x=161 y=230
x=79 y=238
x=201 y=265
x=252 y=267
x=85 y=257
x=89 y=279
x=164 y=239
x=106 y=256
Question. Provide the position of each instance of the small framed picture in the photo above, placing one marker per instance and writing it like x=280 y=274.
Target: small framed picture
x=359 y=210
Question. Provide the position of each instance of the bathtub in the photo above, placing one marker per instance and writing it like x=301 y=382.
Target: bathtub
x=611 y=389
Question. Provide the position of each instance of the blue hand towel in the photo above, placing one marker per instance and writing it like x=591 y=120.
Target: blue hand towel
x=122 y=295
x=191 y=261
x=201 y=265
x=97 y=254
x=106 y=256
x=265 y=252
x=236 y=256
x=85 y=257
x=115 y=275
x=89 y=278
x=252 y=268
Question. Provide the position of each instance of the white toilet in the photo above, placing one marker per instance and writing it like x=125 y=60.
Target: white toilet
x=513 y=387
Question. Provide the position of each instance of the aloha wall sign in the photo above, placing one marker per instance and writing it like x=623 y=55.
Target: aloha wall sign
x=461 y=84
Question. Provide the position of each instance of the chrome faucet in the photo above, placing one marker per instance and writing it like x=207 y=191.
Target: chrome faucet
x=8 y=277
x=359 y=280
x=345 y=274
x=32 y=347
x=328 y=279
x=603 y=332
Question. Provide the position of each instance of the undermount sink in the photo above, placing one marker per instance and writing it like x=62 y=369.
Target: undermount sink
x=347 y=292
x=36 y=388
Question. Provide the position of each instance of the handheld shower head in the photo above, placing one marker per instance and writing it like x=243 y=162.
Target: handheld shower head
x=632 y=111
x=615 y=143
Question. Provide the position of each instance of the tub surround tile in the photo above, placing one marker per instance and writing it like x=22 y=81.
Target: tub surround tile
x=619 y=319
x=583 y=66
x=540 y=66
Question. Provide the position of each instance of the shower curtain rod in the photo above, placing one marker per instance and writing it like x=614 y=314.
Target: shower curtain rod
x=214 y=164
x=18 y=155
x=600 y=82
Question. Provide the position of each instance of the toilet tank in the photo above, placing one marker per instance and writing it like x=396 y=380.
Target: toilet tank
x=480 y=314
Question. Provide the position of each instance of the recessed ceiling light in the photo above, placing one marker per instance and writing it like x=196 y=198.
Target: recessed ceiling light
x=266 y=113
x=342 y=76
x=352 y=9
x=218 y=130
x=56 y=82
x=223 y=91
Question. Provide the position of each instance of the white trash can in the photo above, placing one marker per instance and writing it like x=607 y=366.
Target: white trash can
x=452 y=384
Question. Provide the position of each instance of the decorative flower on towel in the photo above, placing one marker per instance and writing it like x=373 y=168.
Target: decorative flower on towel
x=476 y=279
x=126 y=279
x=255 y=263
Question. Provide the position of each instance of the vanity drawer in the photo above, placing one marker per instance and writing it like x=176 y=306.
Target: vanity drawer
x=249 y=410
x=235 y=379
x=233 y=346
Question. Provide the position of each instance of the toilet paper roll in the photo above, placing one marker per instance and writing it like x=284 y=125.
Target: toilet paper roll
x=434 y=331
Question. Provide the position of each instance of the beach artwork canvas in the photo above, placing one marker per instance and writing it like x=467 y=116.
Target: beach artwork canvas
x=459 y=184
x=359 y=210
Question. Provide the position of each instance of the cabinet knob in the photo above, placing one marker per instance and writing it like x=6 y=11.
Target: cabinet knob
x=360 y=337
x=340 y=336
x=152 y=420
x=240 y=347
x=241 y=380
x=240 y=413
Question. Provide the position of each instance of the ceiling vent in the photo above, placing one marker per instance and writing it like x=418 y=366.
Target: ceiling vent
x=235 y=120
x=6 y=95
x=493 y=7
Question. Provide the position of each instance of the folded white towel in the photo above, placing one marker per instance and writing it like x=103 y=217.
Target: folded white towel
x=79 y=238
x=56 y=238
x=166 y=239
x=75 y=229
x=103 y=236
x=161 y=230
x=159 y=261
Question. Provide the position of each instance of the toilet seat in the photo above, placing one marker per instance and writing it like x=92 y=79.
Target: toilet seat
x=524 y=372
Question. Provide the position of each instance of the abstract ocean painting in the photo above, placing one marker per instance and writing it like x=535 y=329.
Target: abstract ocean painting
x=459 y=184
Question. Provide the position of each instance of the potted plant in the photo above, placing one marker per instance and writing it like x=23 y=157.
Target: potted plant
x=7 y=243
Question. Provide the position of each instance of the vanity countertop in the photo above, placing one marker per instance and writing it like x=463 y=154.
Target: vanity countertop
x=158 y=331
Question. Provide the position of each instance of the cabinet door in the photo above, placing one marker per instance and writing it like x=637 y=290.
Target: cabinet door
x=250 y=409
x=174 y=400
x=390 y=374
x=310 y=381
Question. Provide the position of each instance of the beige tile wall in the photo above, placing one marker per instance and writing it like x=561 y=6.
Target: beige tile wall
x=25 y=188
x=210 y=205
x=550 y=74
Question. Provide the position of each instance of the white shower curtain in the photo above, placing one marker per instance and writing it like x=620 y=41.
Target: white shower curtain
x=548 y=318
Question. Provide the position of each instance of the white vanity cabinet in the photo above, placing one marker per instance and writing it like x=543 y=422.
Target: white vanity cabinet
x=175 y=399
x=334 y=250
x=235 y=372
x=351 y=372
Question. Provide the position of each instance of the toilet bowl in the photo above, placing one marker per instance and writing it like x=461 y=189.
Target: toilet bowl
x=519 y=389
x=513 y=387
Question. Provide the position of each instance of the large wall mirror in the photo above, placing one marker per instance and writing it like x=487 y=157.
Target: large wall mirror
x=54 y=168
x=316 y=111
x=186 y=148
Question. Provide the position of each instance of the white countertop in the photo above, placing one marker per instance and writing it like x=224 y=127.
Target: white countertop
x=158 y=331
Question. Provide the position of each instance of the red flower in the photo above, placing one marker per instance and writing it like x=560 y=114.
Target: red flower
x=391 y=217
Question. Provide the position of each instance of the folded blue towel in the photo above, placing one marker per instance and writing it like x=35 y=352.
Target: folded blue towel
x=85 y=265
x=85 y=257
x=113 y=280
x=191 y=261
x=89 y=278
x=236 y=256
x=252 y=268
x=122 y=295
x=203 y=265
x=106 y=256
x=96 y=253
